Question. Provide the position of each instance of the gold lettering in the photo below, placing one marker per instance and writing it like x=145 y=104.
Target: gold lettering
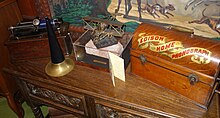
x=145 y=39
x=157 y=37
x=195 y=50
x=188 y=50
x=205 y=52
x=162 y=47
x=152 y=38
x=191 y=50
x=158 y=44
x=168 y=45
x=172 y=45
x=161 y=38
x=184 y=53
x=199 y=51
x=158 y=49
x=141 y=40
x=174 y=56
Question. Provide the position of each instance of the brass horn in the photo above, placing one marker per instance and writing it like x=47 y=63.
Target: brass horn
x=59 y=65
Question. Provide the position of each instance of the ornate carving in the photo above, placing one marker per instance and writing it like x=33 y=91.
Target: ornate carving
x=57 y=97
x=106 y=112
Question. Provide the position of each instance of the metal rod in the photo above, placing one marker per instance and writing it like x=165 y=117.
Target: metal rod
x=11 y=28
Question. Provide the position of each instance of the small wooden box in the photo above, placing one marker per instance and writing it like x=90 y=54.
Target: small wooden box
x=89 y=56
x=177 y=60
x=34 y=48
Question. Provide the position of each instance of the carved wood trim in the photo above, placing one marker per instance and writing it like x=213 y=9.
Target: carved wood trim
x=57 y=97
x=110 y=109
x=107 y=112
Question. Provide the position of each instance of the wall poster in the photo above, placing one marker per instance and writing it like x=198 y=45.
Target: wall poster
x=203 y=16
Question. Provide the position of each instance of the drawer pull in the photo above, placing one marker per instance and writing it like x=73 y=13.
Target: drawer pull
x=100 y=62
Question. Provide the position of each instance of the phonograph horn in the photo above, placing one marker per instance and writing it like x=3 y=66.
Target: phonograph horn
x=58 y=66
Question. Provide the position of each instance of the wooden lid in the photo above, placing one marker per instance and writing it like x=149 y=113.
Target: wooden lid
x=180 y=50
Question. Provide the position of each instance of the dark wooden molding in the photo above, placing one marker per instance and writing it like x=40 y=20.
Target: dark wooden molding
x=107 y=112
x=6 y=2
x=57 y=97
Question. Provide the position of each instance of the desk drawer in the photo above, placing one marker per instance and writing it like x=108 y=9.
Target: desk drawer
x=74 y=103
x=55 y=113
x=105 y=109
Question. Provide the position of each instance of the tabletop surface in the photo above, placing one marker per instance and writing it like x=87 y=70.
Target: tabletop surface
x=135 y=91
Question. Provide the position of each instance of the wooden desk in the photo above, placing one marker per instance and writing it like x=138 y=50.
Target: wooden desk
x=86 y=92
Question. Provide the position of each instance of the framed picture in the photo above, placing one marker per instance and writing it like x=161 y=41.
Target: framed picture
x=203 y=16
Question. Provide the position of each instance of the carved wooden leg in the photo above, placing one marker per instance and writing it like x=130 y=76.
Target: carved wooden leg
x=10 y=90
x=35 y=108
x=37 y=112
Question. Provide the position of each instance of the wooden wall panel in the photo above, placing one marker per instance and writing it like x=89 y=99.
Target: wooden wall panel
x=10 y=15
x=27 y=9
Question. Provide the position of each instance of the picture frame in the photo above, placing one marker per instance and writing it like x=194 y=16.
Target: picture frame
x=184 y=13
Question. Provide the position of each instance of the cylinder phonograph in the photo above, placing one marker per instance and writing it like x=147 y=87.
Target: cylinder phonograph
x=59 y=65
x=34 y=28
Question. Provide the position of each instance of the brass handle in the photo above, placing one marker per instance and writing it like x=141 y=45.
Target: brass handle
x=100 y=62
x=217 y=85
x=193 y=79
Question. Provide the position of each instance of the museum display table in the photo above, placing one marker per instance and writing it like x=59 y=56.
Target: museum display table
x=86 y=92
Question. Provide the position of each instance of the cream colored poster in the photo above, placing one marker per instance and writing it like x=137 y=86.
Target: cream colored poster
x=203 y=16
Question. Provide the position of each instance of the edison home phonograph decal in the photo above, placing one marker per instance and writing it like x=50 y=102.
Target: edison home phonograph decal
x=173 y=49
x=203 y=16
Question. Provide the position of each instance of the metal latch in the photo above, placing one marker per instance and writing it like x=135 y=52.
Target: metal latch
x=193 y=79
x=183 y=29
x=143 y=59
x=217 y=85
x=217 y=79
